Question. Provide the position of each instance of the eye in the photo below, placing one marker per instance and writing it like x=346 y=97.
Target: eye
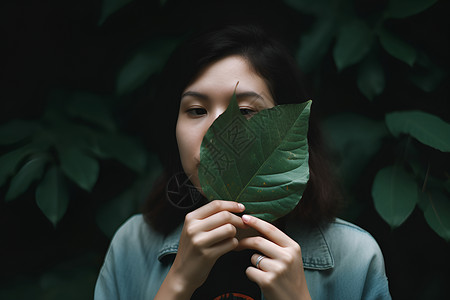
x=247 y=112
x=196 y=112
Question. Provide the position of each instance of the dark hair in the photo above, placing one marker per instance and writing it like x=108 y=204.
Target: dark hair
x=273 y=62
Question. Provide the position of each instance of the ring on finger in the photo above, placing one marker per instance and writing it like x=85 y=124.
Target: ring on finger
x=258 y=260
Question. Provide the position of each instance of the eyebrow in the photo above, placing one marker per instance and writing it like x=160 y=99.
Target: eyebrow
x=206 y=97
x=195 y=94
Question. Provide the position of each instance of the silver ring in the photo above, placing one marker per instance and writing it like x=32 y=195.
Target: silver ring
x=258 y=260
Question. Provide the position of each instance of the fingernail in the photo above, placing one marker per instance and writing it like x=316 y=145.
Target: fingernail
x=241 y=206
x=245 y=218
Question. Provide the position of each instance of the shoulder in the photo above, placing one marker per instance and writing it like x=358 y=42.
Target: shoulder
x=135 y=236
x=339 y=224
x=340 y=230
x=358 y=255
x=132 y=228
x=350 y=257
x=355 y=251
x=347 y=239
x=134 y=224
x=336 y=244
x=131 y=262
x=132 y=242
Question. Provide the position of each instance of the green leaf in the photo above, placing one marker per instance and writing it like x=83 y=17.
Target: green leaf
x=91 y=108
x=314 y=44
x=109 y=7
x=122 y=148
x=147 y=61
x=429 y=185
x=406 y=8
x=31 y=171
x=73 y=135
x=52 y=196
x=79 y=167
x=437 y=214
x=426 y=128
x=395 y=194
x=355 y=139
x=426 y=74
x=10 y=161
x=261 y=162
x=17 y=130
x=136 y=71
x=397 y=47
x=354 y=41
x=310 y=6
x=371 y=81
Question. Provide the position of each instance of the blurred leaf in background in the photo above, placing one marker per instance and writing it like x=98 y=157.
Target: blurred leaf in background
x=407 y=8
x=148 y=60
x=395 y=194
x=437 y=213
x=31 y=171
x=71 y=137
x=371 y=79
x=354 y=41
x=356 y=139
x=426 y=128
x=52 y=195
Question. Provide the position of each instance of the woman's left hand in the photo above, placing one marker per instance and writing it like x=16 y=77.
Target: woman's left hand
x=280 y=273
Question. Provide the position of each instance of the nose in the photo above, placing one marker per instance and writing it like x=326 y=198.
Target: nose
x=216 y=113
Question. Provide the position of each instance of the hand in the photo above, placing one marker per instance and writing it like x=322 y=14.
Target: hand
x=280 y=273
x=208 y=233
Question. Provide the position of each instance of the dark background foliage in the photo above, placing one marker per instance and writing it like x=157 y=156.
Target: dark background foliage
x=75 y=161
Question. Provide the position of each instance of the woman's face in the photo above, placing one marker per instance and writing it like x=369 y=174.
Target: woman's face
x=207 y=97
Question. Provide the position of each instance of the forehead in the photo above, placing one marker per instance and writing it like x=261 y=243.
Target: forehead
x=225 y=73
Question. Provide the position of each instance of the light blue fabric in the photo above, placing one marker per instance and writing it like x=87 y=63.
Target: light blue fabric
x=341 y=260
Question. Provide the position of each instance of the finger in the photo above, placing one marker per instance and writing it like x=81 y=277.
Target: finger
x=215 y=221
x=262 y=245
x=264 y=263
x=219 y=219
x=209 y=238
x=255 y=275
x=219 y=249
x=268 y=230
x=216 y=206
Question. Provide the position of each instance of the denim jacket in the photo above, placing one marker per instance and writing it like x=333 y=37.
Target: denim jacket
x=341 y=261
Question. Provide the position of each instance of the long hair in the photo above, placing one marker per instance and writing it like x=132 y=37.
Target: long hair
x=272 y=61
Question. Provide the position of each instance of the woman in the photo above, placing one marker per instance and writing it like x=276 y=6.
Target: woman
x=212 y=250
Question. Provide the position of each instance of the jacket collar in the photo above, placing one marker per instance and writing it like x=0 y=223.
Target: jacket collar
x=316 y=252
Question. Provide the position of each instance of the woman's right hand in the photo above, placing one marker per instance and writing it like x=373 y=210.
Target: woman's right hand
x=208 y=233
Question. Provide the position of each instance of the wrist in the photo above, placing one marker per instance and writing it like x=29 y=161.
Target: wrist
x=175 y=287
x=305 y=295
